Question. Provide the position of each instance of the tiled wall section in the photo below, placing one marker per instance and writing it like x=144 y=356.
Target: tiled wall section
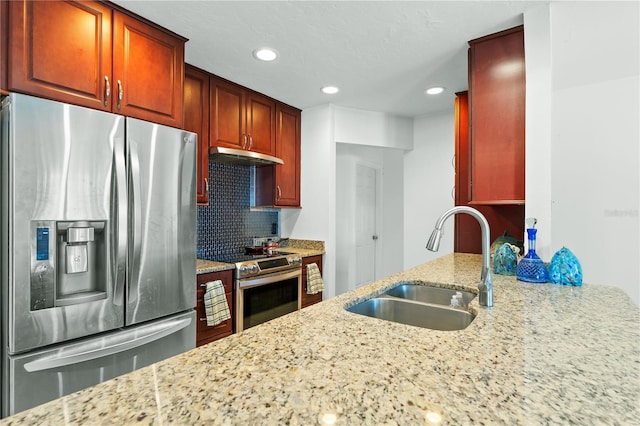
x=226 y=225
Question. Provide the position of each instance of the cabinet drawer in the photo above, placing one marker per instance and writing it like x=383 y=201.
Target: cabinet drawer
x=225 y=276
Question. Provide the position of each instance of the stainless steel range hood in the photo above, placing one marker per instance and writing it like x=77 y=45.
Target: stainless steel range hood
x=240 y=156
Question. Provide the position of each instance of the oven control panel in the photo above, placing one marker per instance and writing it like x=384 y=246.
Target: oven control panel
x=266 y=266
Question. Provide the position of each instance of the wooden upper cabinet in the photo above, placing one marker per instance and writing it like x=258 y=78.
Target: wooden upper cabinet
x=4 y=40
x=279 y=185
x=89 y=54
x=288 y=149
x=241 y=119
x=497 y=115
x=196 y=119
x=61 y=50
x=260 y=112
x=148 y=70
x=227 y=114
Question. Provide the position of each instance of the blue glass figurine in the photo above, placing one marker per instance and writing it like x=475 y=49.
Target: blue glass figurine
x=565 y=268
x=505 y=260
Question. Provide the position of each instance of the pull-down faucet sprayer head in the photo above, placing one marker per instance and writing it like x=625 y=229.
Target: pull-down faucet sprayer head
x=434 y=240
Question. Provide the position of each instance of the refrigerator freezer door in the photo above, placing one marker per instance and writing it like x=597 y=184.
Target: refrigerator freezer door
x=42 y=376
x=162 y=221
x=59 y=280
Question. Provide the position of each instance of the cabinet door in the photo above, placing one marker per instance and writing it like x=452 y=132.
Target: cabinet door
x=196 y=119
x=61 y=50
x=497 y=110
x=148 y=70
x=310 y=299
x=288 y=149
x=4 y=40
x=260 y=128
x=204 y=333
x=227 y=115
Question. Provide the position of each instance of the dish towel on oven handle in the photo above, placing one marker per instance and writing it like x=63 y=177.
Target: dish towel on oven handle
x=314 y=279
x=215 y=303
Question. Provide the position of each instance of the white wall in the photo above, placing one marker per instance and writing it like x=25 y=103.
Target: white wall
x=316 y=219
x=372 y=128
x=389 y=256
x=429 y=181
x=591 y=119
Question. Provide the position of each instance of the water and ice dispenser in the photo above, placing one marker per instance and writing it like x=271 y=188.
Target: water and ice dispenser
x=68 y=263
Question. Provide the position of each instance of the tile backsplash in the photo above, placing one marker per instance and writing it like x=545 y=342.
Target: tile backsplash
x=227 y=224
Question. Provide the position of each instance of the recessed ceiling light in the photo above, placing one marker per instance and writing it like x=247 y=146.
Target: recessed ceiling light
x=434 y=90
x=330 y=90
x=266 y=54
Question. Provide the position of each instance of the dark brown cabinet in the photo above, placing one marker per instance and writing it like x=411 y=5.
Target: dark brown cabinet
x=4 y=46
x=489 y=140
x=196 y=119
x=98 y=56
x=497 y=117
x=241 y=118
x=279 y=185
x=310 y=299
x=207 y=334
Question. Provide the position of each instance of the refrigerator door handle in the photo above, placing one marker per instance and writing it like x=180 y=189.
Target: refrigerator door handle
x=136 y=229
x=81 y=354
x=121 y=221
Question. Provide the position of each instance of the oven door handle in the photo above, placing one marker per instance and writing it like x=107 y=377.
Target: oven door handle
x=269 y=279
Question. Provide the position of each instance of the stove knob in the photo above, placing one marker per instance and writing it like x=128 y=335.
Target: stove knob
x=244 y=270
x=255 y=269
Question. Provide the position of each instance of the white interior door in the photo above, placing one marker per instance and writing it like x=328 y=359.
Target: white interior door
x=365 y=224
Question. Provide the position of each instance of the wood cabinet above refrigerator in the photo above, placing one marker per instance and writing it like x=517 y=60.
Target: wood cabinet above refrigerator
x=97 y=55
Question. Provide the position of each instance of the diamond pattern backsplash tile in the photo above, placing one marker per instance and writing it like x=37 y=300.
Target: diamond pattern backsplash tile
x=227 y=224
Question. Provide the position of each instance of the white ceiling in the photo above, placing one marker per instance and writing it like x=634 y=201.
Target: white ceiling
x=382 y=54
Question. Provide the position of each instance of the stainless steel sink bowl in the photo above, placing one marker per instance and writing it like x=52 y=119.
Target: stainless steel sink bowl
x=426 y=294
x=414 y=313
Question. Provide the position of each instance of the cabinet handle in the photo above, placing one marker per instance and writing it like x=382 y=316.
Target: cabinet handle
x=279 y=193
x=206 y=185
x=107 y=90
x=250 y=142
x=120 y=93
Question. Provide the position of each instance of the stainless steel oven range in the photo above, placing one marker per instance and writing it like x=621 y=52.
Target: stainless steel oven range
x=267 y=286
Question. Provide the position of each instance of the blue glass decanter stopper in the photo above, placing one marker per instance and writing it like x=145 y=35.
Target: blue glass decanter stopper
x=531 y=268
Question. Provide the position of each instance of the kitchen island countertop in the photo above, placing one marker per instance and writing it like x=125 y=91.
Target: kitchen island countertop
x=543 y=354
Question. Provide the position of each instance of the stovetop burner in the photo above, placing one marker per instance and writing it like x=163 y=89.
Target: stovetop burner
x=242 y=257
x=248 y=265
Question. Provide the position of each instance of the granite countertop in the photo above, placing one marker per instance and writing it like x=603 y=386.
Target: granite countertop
x=543 y=354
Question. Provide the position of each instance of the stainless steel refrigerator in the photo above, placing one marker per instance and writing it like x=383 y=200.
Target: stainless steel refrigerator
x=98 y=243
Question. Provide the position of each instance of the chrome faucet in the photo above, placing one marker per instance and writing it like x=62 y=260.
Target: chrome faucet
x=485 y=287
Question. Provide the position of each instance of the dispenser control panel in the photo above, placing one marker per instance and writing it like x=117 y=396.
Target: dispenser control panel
x=43 y=260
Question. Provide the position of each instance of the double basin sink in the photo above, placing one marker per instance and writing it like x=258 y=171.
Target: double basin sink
x=420 y=306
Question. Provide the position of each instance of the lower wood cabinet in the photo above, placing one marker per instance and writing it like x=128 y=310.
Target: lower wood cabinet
x=310 y=299
x=206 y=334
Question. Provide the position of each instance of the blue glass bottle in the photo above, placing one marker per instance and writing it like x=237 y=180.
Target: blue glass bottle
x=531 y=268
